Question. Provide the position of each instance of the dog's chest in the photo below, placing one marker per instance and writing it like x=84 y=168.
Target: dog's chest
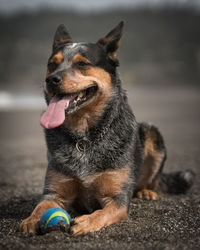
x=95 y=190
x=83 y=163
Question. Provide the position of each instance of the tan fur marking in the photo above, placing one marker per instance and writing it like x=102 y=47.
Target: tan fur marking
x=106 y=40
x=150 y=168
x=82 y=79
x=147 y=194
x=101 y=186
x=31 y=224
x=65 y=188
x=89 y=113
x=63 y=41
x=114 y=54
x=110 y=214
x=57 y=58
x=108 y=183
x=78 y=58
x=150 y=137
x=151 y=163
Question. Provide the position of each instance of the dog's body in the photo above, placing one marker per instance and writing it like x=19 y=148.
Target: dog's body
x=99 y=156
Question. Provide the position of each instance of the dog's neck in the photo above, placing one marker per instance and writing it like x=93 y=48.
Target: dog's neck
x=80 y=122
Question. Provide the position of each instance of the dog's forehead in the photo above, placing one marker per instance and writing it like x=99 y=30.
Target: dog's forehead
x=86 y=49
x=74 y=47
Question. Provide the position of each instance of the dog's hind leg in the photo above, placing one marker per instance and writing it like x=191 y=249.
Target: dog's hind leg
x=154 y=155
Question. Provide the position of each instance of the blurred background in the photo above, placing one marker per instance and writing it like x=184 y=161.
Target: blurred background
x=160 y=46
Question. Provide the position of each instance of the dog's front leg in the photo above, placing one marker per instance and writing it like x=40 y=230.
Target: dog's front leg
x=110 y=214
x=31 y=224
x=60 y=191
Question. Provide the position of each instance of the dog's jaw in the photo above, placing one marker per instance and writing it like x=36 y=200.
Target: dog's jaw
x=62 y=105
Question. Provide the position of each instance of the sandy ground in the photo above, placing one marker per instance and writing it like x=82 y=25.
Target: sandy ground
x=172 y=222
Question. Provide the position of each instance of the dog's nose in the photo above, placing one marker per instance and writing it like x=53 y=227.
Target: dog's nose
x=54 y=80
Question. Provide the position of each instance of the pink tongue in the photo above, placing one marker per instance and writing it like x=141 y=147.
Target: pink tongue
x=54 y=116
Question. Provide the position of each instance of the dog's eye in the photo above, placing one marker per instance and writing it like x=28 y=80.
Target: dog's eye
x=52 y=66
x=82 y=64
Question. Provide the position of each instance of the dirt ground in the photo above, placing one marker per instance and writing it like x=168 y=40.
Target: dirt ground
x=172 y=222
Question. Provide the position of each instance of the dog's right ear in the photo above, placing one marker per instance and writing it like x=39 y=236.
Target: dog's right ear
x=61 y=36
x=111 y=41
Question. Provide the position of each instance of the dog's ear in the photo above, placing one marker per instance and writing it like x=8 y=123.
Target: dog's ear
x=61 y=36
x=111 y=41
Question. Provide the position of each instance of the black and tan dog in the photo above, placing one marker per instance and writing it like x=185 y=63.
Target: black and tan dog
x=99 y=156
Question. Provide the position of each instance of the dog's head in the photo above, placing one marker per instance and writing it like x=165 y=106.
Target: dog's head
x=79 y=78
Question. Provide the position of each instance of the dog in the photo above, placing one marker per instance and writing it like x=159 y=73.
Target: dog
x=99 y=156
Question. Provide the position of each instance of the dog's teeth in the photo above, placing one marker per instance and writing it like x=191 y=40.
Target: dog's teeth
x=80 y=96
x=66 y=105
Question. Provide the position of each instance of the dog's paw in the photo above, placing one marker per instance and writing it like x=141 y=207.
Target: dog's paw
x=86 y=223
x=147 y=194
x=29 y=225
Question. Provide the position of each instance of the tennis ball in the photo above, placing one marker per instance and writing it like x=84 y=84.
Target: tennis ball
x=52 y=217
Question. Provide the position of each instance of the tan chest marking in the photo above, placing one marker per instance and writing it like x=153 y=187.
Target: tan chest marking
x=99 y=185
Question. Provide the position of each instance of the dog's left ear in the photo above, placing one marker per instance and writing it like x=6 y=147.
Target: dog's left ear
x=111 y=41
x=61 y=36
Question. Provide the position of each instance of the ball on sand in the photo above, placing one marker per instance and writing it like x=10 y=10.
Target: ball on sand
x=52 y=217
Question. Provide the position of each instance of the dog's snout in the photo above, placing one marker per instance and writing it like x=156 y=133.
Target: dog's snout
x=54 y=80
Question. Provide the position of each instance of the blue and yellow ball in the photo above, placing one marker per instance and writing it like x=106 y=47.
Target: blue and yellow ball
x=52 y=217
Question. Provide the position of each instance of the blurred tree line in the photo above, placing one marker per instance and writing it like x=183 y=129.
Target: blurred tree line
x=159 y=46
